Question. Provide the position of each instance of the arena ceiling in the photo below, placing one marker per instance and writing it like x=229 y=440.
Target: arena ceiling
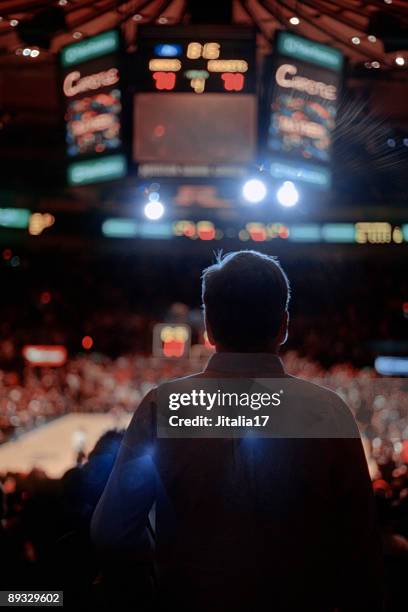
x=360 y=28
x=373 y=34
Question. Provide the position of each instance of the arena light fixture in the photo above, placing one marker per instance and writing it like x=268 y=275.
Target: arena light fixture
x=154 y=210
x=287 y=194
x=254 y=191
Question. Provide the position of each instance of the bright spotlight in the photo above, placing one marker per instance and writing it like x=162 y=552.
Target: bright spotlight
x=287 y=194
x=254 y=191
x=154 y=210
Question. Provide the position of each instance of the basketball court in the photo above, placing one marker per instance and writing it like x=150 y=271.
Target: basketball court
x=53 y=446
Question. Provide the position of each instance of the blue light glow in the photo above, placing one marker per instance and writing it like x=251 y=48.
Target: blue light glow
x=166 y=50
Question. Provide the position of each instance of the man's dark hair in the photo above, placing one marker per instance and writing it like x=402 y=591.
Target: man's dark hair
x=245 y=295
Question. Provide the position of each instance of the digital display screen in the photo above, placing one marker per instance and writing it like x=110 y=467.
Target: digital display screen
x=302 y=122
x=195 y=106
x=93 y=123
x=304 y=91
x=196 y=59
x=90 y=83
x=176 y=128
x=360 y=233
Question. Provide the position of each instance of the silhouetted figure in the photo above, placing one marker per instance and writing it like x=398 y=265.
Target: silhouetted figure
x=277 y=523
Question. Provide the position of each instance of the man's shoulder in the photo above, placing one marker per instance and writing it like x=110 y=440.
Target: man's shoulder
x=314 y=390
x=166 y=385
x=314 y=393
x=180 y=381
x=318 y=399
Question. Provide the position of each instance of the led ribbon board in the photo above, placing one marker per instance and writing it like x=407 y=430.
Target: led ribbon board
x=303 y=97
x=195 y=105
x=90 y=84
x=17 y=218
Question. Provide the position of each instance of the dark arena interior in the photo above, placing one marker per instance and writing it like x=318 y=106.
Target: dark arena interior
x=141 y=142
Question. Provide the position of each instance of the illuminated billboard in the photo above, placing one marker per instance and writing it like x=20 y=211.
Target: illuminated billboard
x=93 y=124
x=45 y=355
x=195 y=106
x=93 y=103
x=90 y=48
x=304 y=87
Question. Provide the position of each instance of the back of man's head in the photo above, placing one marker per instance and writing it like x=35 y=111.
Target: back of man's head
x=245 y=298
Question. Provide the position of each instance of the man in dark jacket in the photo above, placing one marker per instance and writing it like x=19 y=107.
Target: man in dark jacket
x=279 y=522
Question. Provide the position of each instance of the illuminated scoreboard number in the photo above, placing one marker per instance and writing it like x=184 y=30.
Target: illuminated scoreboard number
x=171 y=340
x=209 y=51
x=232 y=71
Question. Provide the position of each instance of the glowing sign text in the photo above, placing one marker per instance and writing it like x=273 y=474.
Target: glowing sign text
x=94 y=124
x=227 y=65
x=373 y=232
x=164 y=65
x=303 y=128
x=208 y=51
x=74 y=84
x=164 y=80
x=313 y=88
x=233 y=81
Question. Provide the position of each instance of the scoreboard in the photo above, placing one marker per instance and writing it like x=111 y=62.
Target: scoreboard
x=190 y=95
x=195 y=106
x=196 y=59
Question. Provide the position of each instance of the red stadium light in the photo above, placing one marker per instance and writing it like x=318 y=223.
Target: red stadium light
x=233 y=81
x=45 y=355
x=87 y=343
x=165 y=80
x=45 y=297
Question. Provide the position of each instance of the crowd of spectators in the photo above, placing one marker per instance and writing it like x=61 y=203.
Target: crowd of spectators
x=340 y=314
x=89 y=383
x=94 y=383
x=44 y=529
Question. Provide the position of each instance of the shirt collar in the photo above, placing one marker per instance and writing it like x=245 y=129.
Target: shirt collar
x=250 y=364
